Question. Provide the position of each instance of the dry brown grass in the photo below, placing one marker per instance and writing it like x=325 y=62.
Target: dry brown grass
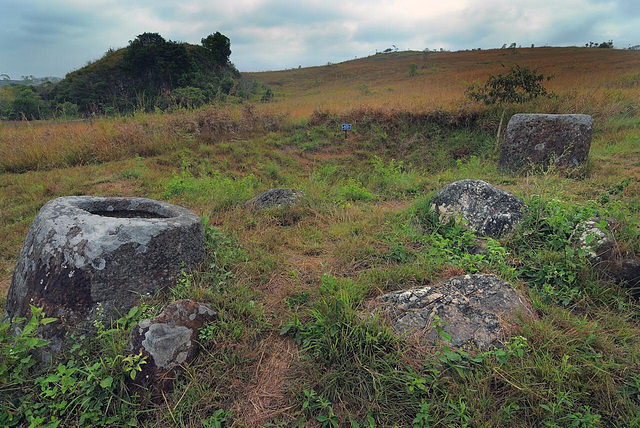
x=26 y=146
x=591 y=78
x=265 y=396
x=45 y=145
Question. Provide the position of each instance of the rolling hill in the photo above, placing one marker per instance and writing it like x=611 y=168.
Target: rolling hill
x=441 y=78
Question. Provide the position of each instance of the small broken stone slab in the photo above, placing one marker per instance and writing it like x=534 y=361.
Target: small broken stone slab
x=597 y=244
x=603 y=253
x=275 y=198
x=169 y=341
x=471 y=307
x=486 y=209
x=542 y=139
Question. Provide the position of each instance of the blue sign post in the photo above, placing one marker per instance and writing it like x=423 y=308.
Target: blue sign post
x=346 y=127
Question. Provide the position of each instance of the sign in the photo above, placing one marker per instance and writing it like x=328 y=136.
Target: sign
x=346 y=126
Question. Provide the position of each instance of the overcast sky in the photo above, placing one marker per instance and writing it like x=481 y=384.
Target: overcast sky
x=53 y=37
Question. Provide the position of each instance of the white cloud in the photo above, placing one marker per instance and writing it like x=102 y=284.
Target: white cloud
x=40 y=37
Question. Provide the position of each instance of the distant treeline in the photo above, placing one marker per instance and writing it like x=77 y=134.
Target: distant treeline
x=150 y=73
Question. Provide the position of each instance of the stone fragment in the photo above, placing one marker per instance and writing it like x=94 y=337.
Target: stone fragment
x=487 y=209
x=542 y=139
x=596 y=243
x=169 y=341
x=275 y=198
x=604 y=254
x=88 y=258
x=472 y=309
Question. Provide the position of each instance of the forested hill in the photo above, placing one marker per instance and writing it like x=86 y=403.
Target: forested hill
x=149 y=73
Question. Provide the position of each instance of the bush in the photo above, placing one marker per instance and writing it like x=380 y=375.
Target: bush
x=188 y=97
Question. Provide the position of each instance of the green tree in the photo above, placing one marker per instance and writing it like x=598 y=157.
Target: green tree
x=267 y=96
x=67 y=110
x=219 y=47
x=188 y=97
x=520 y=85
x=29 y=105
x=226 y=84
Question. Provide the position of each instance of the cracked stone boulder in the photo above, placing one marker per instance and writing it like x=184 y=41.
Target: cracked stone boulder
x=543 y=139
x=487 y=209
x=88 y=258
x=275 y=198
x=169 y=341
x=603 y=252
x=473 y=308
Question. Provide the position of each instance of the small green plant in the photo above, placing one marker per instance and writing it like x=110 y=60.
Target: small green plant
x=393 y=178
x=354 y=191
x=364 y=89
x=86 y=388
x=17 y=352
x=520 y=85
x=182 y=289
x=313 y=404
x=423 y=419
x=267 y=96
x=219 y=419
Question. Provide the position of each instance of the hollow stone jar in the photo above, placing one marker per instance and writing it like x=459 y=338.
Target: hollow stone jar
x=88 y=258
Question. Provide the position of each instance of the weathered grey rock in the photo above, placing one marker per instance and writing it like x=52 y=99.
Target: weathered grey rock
x=86 y=258
x=472 y=308
x=603 y=252
x=539 y=139
x=597 y=244
x=275 y=198
x=169 y=341
x=487 y=210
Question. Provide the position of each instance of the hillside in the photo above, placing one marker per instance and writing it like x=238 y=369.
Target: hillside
x=587 y=75
x=149 y=73
x=293 y=345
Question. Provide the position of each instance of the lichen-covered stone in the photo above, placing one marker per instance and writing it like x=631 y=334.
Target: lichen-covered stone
x=472 y=309
x=597 y=245
x=604 y=254
x=540 y=139
x=487 y=209
x=275 y=198
x=89 y=257
x=169 y=341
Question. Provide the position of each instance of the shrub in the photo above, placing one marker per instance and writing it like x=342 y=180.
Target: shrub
x=519 y=86
x=188 y=97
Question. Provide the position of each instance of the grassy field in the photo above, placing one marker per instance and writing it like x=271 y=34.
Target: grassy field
x=589 y=80
x=291 y=348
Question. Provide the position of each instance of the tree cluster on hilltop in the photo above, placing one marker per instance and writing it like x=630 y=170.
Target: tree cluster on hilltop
x=143 y=75
x=150 y=73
